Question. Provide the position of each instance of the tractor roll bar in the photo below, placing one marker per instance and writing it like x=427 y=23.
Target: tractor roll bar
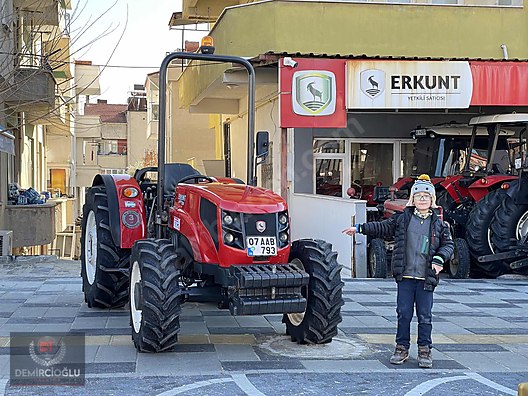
x=162 y=118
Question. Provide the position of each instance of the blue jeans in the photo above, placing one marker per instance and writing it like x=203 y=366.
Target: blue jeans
x=411 y=292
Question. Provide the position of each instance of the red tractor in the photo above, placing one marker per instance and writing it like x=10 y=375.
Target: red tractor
x=498 y=224
x=443 y=152
x=485 y=165
x=185 y=236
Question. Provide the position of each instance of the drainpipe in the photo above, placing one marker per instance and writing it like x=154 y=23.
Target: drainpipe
x=504 y=48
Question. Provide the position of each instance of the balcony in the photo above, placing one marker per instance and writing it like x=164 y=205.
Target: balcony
x=45 y=13
x=33 y=89
x=86 y=80
x=59 y=58
x=112 y=161
x=54 y=115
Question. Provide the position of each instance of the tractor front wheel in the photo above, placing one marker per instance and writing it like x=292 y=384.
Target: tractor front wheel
x=460 y=263
x=318 y=324
x=155 y=295
x=104 y=266
x=377 y=259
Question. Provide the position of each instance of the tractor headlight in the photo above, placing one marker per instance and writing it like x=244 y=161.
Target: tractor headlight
x=228 y=220
x=283 y=219
x=283 y=237
x=229 y=238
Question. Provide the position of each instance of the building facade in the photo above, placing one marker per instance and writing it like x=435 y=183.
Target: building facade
x=321 y=152
x=35 y=102
x=191 y=138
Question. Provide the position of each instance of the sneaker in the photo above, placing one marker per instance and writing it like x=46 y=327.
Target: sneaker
x=400 y=355
x=425 y=358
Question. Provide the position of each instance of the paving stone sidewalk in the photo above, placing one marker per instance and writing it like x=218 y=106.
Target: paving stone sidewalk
x=478 y=325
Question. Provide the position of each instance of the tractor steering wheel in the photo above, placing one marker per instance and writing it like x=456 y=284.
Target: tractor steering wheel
x=196 y=179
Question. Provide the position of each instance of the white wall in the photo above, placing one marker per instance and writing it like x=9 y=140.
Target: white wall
x=87 y=127
x=321 y=217
x=58 y=150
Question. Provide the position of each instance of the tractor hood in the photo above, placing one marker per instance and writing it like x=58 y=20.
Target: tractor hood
x=241 y=198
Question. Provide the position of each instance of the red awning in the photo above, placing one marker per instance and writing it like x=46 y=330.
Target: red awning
x=499 y=83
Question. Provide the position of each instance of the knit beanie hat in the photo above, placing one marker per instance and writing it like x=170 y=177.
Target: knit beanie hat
x=423 y=185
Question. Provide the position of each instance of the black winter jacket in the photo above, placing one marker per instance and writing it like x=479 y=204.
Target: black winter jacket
x=441 y=243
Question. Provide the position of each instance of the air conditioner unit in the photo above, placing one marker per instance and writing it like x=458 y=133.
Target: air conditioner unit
x=6 y=243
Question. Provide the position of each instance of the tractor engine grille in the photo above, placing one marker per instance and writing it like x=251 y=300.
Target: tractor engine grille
x=250 y=223
x=239 y=226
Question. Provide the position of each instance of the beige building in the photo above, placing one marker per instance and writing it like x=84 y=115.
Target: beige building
x=104 y=133
x=191 y=138
x=35 y=98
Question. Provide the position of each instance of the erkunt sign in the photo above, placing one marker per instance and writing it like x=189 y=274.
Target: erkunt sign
x=405 y=84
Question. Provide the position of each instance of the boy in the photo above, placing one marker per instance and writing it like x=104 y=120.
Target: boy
x=423 y=244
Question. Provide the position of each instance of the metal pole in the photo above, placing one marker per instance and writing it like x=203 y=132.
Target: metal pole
x=471 y=145
x=162 y=119
x=489 y=164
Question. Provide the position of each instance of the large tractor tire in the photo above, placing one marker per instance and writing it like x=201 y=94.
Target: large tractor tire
x=509 y=225
x=155 y=295
x=460 y=263
x=478 y=234
x=377 y=259
x=104 y=266
x=318 y=324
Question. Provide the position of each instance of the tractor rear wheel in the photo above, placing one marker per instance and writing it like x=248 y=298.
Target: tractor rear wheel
x=318 y=324
x=460 y=263
x=155 y=295
x=509 y=225
x=104 y=266
x=377 y=259
x=478 y=235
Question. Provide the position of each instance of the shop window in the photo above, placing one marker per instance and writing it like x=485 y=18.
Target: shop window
x=329 y=176
x=328 y=146
x=371 y=164
x=406 y=161
x=266 y=169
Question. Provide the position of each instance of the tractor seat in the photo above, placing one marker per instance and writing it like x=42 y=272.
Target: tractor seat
x=174 y=173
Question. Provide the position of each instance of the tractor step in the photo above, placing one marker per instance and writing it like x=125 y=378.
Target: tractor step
x=512 y=254
x=520 y=264
x=263 y=275
x=262 y=305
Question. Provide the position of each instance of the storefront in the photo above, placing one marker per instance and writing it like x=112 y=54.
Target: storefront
x=350 y=119
x=360 y=133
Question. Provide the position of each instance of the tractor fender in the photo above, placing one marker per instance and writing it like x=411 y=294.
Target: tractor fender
x=126 y=215
x=183 y=222
x=481 y=187
x=518 y=191
x=454 y=189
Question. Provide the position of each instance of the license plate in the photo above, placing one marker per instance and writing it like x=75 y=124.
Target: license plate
x=261 y=246
x=420 y=132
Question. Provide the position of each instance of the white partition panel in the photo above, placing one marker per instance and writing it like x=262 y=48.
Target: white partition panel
x=323 y=217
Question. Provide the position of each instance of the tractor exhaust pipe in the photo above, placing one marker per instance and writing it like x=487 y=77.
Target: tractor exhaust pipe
x=162 y=119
